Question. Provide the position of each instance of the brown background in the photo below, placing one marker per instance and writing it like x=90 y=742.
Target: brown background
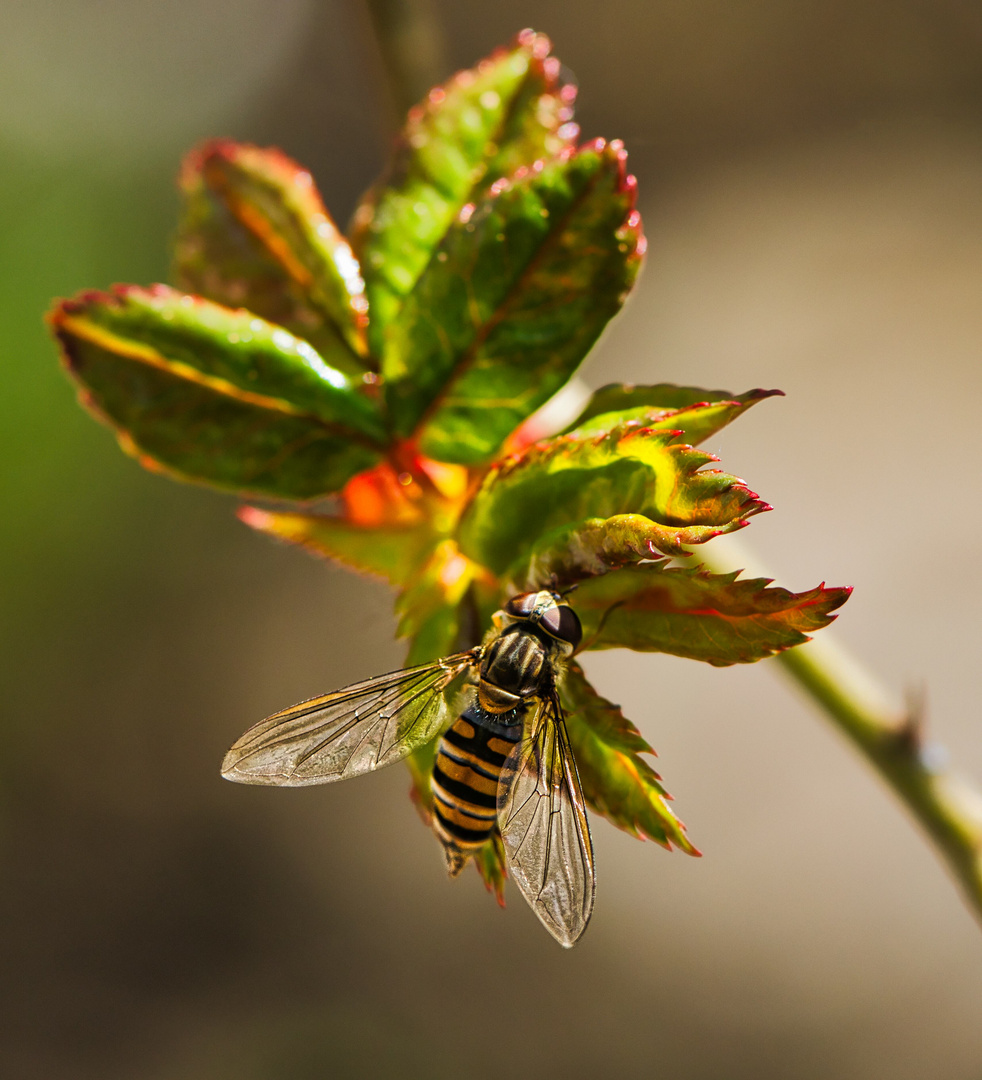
x=811 y=179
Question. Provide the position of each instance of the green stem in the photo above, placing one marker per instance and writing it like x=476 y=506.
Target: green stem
x=947 y=807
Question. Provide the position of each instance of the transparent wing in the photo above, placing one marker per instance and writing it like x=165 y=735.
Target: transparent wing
x=544 y=826
x=354 y=730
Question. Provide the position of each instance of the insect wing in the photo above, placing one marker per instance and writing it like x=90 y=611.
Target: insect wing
x=544 y=826
x=357 y=729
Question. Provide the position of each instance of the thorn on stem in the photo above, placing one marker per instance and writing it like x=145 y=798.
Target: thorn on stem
x=910 y=734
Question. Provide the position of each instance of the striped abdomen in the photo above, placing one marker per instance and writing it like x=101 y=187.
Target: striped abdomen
x=465 y=784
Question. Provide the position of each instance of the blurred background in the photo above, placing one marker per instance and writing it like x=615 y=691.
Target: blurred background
x=811 y=182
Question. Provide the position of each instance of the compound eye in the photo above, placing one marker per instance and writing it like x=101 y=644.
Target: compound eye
x=521 y=606
x=562 y=622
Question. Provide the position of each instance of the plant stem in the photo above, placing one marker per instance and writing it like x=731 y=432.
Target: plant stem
x=411 y=43
x=947 y=807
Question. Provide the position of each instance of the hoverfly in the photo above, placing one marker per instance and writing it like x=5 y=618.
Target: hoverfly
x=503 y=763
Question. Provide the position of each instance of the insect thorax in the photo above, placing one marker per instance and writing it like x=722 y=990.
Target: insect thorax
x=517 y=666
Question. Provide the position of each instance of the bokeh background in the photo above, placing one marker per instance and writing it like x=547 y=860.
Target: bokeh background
x=811 y=181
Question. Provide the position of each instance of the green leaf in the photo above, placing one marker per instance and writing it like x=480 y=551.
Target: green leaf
x=392 y=553
x=665 y=408
x=254 y=233
x=516 y=296
x=570 y=480
x=703 y=616
x=490 y=863
x=218 y=396
x=616 y=780
x=420 y=764
x=660 y=397
x=570 y=553
x=233 y=351
x=509 y=111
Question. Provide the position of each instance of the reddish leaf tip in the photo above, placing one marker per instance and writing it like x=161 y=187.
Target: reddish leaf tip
x=221 y=150
x=253 y=516
x=532 y=39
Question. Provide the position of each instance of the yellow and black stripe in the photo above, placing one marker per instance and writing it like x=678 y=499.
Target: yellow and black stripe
x=465 y=784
